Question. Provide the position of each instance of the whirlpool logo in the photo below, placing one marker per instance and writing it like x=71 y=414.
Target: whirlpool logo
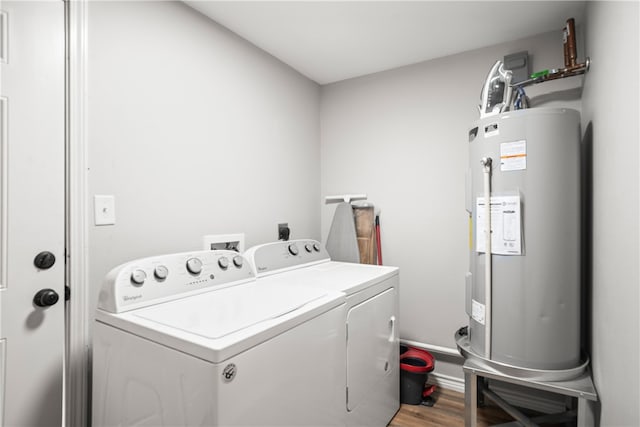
x=229 y=372
x=128 y=298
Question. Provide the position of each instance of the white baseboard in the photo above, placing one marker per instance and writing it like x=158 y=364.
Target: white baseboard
x=447 y=382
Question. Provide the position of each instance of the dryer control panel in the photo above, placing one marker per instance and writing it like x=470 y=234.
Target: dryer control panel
x=152 y=280
x=285 y=255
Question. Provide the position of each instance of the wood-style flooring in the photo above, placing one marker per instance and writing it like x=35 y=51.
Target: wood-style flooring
x=448 y=410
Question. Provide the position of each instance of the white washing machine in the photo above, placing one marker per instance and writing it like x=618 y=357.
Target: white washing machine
x=193 y=339
x=370 y=370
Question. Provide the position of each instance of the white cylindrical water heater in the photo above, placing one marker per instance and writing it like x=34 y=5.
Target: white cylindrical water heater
x=525 y=311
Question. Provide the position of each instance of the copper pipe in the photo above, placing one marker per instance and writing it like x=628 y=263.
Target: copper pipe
x=576 y=70
x=571 y=67
x=565 y=46
x=565 y=72
x=570 y=44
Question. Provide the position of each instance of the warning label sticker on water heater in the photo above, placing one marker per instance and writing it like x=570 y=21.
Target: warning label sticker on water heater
x=477 y=311
x=513 y=156
x=506 y=230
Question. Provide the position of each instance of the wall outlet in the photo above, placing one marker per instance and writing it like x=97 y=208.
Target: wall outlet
x=283 y=231
x=233 y=242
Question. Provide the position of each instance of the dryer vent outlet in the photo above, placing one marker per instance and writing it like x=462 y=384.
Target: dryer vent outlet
x=283 y=231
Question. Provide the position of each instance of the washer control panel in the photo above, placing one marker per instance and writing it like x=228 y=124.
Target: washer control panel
x=284 y=255
x=152 y=280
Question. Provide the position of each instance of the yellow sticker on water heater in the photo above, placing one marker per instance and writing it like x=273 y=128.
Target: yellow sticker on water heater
x=513 y=156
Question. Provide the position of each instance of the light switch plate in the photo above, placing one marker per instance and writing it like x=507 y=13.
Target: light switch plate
x=104 y=210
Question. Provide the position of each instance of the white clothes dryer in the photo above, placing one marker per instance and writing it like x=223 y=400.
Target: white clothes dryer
x=370 y=370
x=193 y=339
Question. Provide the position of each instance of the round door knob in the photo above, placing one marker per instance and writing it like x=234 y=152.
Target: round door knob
x=45 y=298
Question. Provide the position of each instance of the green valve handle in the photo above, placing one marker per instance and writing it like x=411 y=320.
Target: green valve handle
x=539 y=74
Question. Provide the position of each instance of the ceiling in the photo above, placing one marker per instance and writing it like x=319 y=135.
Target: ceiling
x=329 y=41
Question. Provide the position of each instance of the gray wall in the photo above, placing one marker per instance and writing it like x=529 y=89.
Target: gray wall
x=610 y=119
x=401 y=137
x=194 y=131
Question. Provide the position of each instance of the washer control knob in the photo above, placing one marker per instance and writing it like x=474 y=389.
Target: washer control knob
x=194 y=265
x=237 y=261
x=138 y=276
x=307 y=247
x=161 y=272
x=223 y=262
x=293 y=249
x=316 y=247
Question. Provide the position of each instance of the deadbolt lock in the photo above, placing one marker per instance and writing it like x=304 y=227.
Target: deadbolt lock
x=44 y=260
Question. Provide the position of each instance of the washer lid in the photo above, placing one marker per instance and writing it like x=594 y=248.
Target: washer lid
x=214 y=315
x=217 y=325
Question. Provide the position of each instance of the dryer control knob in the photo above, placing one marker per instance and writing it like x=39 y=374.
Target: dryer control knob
x=316 y=247
x=293 y=249
x=194 y=265
x=307 y=247
x=223 y=262
x=138 y=277
x=161 y=272
x=237 y=261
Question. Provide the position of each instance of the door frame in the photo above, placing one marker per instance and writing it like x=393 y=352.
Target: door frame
x=77 y=317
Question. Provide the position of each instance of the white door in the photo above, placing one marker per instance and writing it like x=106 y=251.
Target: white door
x=32 y=215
